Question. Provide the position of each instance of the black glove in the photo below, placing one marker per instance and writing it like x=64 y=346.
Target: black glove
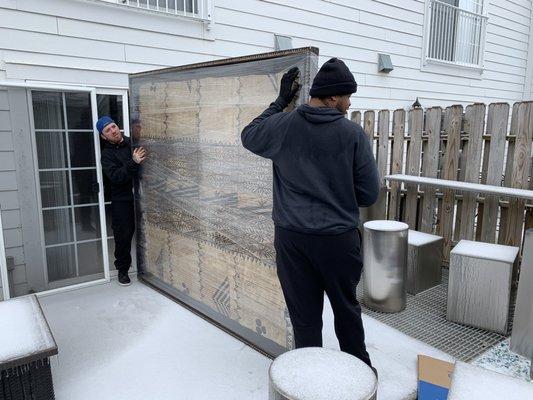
x=288 y=89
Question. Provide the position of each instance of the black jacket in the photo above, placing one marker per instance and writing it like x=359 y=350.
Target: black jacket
x=323 y=167
x=119 y=168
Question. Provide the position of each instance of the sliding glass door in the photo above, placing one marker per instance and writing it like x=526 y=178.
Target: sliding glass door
x=75 y=223
x=68 y=183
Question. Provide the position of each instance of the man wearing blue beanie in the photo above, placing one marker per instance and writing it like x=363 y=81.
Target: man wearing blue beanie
x=120 y=166
x=324 y=170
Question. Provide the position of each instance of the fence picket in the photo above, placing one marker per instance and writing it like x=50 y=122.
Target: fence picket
x=474 y=124
x=430 y=165
x=449 y=171
x=416 y=119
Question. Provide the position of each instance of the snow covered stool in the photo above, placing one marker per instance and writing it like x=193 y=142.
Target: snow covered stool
x=479 y=287
x=424 y=261
x=26 y=344
x=470 y=382
x=315 y=373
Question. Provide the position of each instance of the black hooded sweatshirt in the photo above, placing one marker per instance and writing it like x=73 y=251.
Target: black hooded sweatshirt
x=119 y=168
x=324 y=168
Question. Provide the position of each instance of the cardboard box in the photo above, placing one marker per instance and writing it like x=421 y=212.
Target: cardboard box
x=434 y=378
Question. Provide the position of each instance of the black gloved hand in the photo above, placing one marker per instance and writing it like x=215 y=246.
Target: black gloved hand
x=288 y=89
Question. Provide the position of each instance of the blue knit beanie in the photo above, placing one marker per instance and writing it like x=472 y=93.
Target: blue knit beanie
x=103 y=122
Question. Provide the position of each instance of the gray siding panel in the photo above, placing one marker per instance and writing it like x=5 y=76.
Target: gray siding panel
x=9 y=199
x=7 y=161
x=13 y=237
x=19 y=275
x=11 y=219
x=8 y=180
x=5 y=121
x=4 y=102
x=6 y=142
x=17 y=253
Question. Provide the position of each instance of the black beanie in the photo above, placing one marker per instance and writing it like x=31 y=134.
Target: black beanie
x=333 y=79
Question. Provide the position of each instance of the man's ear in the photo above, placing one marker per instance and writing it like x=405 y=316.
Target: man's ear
x=103 y=137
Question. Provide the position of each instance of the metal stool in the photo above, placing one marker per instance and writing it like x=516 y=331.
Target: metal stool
x=424 y=261
x=385 y=265
x=315 y=373
x=479 y=285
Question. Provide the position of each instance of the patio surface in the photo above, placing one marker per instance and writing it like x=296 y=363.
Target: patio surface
x=134 y=343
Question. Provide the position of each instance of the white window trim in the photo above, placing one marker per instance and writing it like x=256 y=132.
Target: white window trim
x=450 y=67
x=205 y=11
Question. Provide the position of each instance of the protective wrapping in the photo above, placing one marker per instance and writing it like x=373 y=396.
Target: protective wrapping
x=204 y=227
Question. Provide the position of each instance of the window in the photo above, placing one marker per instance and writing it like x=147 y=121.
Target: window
x=456 y=32
x=199 y=9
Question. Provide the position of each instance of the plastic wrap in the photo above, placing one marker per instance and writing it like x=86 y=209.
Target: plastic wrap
x=204 y=227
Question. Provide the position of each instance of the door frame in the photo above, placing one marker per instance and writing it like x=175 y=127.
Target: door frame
x=93 y=91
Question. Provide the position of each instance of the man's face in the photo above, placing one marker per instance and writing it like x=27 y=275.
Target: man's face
x=343 y=103
x=112 y=133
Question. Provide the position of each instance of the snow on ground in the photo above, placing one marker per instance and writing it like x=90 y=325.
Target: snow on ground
x=473 y=382
x=394 y=354
x=133 y=343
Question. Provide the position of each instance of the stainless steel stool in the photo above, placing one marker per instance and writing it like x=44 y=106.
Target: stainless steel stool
x=424 y=261
x=316 y=373
x=385 y=265
x=479 y=285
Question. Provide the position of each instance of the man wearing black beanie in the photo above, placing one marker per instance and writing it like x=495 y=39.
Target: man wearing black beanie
x=324 y=170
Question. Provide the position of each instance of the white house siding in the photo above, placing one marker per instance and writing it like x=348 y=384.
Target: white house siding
x=91 y=42
x=83 y=41
x=9 y=201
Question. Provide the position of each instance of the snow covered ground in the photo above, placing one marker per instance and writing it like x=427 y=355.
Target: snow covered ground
x=133 y=343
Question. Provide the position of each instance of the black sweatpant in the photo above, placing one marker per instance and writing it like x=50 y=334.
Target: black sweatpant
x=123 y=224
x=308 y=265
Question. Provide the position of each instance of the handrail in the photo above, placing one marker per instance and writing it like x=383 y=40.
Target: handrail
x=464 y=186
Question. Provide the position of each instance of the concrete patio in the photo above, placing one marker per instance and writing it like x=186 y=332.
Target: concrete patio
x=134 y=343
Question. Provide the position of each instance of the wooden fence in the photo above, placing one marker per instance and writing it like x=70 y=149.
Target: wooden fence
x=475 y=144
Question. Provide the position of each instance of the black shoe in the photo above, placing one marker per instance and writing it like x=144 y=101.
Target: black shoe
x=123 y=278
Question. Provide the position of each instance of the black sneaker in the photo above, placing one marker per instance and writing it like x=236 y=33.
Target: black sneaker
x=123 y=278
